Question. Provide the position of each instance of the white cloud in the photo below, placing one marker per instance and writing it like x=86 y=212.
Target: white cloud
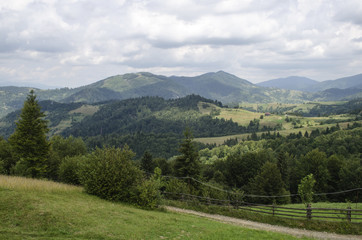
x=76 y=42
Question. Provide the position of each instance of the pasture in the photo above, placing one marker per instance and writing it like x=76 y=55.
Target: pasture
x=37 y=209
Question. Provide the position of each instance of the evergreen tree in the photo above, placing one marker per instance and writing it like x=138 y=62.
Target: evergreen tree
x=269 y=183
x=29 y=143
x=187 y=164
x=283 y=166
x=147 y=163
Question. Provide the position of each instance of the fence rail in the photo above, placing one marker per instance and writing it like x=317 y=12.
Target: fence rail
x=310 y=213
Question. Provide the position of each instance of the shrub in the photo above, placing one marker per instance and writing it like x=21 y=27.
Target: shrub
x=174 y=188
x=214 y=192
x=110 y=174
x=148 y=192
x=69 y=169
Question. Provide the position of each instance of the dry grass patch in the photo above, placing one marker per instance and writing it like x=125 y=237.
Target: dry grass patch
x=30 y=184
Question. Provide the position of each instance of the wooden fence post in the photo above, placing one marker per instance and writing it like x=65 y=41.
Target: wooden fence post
x=349 y=215
x=273 y=209
x=236 y=204
x=309 y=212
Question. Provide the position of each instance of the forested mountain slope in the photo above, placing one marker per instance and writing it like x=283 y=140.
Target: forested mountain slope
x=119 y=122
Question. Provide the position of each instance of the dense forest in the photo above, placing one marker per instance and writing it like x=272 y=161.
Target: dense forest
x=145 y=124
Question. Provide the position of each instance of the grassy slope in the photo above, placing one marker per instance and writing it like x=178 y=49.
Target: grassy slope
x=34 y=209
x=243 y=117
x=221 y=140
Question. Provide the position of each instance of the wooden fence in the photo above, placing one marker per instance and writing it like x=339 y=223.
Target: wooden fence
x=329 y=214
x=309 y=213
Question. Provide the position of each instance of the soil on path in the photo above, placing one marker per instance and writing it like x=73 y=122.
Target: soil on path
x=267 y=227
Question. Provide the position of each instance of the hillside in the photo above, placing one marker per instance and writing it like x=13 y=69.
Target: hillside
x=156 y=122
x=290 y=83
x=35 y=209
x=220 y=86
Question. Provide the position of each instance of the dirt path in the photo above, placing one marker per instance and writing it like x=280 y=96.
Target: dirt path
x=267 y=227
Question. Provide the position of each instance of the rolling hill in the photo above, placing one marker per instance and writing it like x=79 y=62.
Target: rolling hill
x=152 y=120
x=39 y=209
x=220 y=86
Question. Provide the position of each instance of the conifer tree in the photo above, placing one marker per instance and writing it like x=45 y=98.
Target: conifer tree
x=29 y=142
x=147 y=163
x=187 y=164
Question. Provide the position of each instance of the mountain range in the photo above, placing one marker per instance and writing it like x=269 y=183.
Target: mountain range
x=221 y=86
x=310 y=85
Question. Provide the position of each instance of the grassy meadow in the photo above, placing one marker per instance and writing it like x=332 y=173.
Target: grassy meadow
x=37 y=209
x=243 y=118
x=240 y=137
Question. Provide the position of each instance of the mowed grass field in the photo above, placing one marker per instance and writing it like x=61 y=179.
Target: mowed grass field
x=36 y=209
x=243 y=118
x=240 y=137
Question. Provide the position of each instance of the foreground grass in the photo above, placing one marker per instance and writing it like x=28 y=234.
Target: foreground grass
x=34 y=209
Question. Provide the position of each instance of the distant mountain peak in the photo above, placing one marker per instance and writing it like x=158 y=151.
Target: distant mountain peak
x=290 y=83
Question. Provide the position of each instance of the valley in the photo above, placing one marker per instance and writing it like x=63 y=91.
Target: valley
x=233 y=142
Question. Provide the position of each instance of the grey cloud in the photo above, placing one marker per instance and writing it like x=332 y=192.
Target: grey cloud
x=349 y=11
x=206 y=41
x=48 y=44
x=357 y=39
x=107 y=37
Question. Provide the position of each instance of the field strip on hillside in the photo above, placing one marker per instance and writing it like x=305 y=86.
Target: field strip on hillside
x=267 y=227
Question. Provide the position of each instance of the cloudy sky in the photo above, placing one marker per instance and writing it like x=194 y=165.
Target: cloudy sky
x=77 y=42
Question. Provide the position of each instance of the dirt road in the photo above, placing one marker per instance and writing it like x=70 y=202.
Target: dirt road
x=267 y=227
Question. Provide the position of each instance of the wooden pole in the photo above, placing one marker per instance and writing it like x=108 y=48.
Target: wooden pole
x=309 y=212
x=349 y=217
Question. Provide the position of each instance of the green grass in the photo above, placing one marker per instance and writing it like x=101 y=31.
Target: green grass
x=35 y=209
x=243 y=117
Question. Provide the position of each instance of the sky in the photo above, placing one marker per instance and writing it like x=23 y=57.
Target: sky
x=77 y=42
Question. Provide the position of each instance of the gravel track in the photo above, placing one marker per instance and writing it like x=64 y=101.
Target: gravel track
x=267 y=227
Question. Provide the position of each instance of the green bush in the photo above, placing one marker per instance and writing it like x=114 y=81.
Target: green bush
x=215 y=192
x=69 y=169
x=174 y=188
x=305 y=189
x=148 y=192
x=110 y=174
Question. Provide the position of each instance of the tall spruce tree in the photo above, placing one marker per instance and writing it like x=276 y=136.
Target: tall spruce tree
x=147 y=163
x=188 y=163
x=29 y=143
